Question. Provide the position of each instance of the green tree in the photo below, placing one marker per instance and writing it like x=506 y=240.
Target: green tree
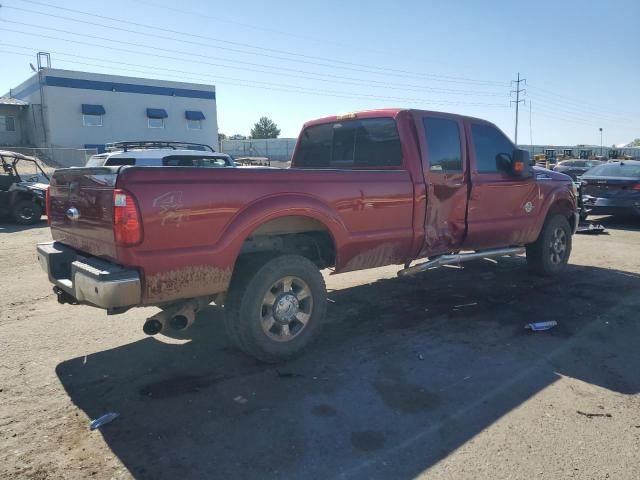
x=635 y=143
x=265 y=128
x=221 y=136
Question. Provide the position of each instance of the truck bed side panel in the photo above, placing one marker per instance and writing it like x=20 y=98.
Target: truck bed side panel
x=195 y=221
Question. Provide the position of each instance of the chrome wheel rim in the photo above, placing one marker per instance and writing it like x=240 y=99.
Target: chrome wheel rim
x=286 y=309
x=558 y=246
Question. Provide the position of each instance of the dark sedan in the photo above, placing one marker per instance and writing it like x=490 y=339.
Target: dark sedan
x=575 y=168
x=612 y=189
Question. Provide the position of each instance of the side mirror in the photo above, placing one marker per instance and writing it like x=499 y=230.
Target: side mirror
x=521 y=164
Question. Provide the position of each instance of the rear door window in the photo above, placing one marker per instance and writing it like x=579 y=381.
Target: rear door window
x=443 y=144
x=367 y=143
x=488 y=142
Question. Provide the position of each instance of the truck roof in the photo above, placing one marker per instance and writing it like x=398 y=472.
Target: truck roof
x=382 y=112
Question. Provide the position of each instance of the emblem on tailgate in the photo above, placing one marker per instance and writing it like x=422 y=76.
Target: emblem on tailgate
x=73 y=214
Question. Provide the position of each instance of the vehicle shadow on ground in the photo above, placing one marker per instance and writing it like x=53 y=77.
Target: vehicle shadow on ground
x=8 y=226
x=405 y=372
x=618 y=223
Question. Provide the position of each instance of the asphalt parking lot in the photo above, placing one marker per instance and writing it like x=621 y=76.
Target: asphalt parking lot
x=431 y=377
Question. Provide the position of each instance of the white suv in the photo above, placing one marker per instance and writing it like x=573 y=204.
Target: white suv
x=161 y=154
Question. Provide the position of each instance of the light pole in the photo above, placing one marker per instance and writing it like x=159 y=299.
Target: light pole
x=600 y=141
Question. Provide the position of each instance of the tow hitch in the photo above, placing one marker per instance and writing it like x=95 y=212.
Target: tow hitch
x=64 y=297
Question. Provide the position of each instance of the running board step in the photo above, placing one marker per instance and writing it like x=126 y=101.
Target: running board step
x=460 y=258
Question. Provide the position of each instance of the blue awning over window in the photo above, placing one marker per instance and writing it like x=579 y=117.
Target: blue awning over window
x=194 y=115
x=92 y=109
x=156 y=113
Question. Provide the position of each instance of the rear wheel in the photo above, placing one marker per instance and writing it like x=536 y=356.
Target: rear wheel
x=26 y=212
x=549 y=254
x=275 y=307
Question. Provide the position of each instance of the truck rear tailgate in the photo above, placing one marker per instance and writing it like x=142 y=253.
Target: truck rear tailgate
x=81 y=209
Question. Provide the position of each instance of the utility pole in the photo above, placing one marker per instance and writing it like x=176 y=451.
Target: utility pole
x=600 y=141
x=530 y=129
x=517 y=101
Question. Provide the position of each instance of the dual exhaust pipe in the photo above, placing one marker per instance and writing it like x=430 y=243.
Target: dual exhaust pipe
x=179 y=316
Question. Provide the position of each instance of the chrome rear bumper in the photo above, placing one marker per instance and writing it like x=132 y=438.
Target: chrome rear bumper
x=89 y=280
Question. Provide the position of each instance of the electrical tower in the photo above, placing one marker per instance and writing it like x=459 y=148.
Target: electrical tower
x=518 y=101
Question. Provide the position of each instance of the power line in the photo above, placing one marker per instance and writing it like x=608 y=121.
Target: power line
x=381 y=70
x=551 y=114
x=580 y=103
x=517 y=101
x=579 y=118
x=574 y=111
x=324 y=41
x=332 y=78
x=342 y=64
x=180 y=75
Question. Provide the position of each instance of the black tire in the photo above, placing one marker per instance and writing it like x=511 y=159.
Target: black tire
x=280 y=330
x=549 y=254
x=26 y=212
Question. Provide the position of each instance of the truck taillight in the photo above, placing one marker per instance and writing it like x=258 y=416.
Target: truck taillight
x=47 y=204
x=127 y=229
x=636 y=186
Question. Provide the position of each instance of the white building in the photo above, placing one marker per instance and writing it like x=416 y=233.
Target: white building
x=63 y=109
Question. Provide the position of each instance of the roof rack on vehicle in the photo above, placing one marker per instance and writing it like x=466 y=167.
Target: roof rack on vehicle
x=154 y=144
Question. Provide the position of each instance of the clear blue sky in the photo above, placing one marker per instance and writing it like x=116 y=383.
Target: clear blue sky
x=293 y=61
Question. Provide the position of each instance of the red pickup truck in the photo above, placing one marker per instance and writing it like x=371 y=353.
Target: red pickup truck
x=364 y=190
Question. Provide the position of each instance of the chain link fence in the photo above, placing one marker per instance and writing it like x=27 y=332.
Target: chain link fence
x=54 y=157
x=277 y=151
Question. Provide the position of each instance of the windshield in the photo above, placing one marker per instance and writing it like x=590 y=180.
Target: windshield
x=96 y=161
x=197 y=161
x=615 y=170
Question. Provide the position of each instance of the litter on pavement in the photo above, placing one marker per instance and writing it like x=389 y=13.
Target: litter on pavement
x=541 y=326
x=591 y=415
x=103 y=420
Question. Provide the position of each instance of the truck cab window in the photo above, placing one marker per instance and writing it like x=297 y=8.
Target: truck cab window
x=443 y=144
x=351 y=144
x=488 y=142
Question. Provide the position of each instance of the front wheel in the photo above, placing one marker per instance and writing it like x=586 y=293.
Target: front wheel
x=549 y=254
x=26 y=212
x=275 y=307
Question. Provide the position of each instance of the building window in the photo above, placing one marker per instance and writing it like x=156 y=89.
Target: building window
x=155 y=117
x=155 y=122
x=92 y=115
x=7 y=123
x=92 y=120
x=194 y=124
x=194 y=119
